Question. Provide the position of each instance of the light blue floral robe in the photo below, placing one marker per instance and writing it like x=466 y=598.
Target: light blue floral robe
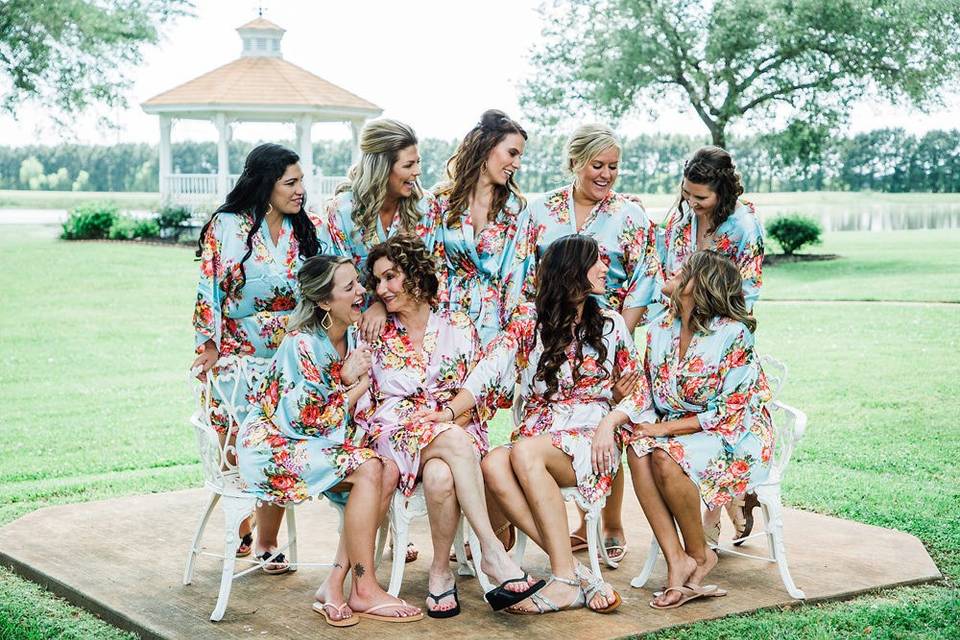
x=719 y=380
x=485 y=275
x=341 y=236
x=247 y=319
x=627 y=240
x=297 y=442
x=740 y=238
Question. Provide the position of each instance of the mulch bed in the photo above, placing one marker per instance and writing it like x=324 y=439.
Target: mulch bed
x=782 y=258
x=155 y=242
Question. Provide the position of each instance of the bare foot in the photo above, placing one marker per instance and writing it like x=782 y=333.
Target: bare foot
x=333 y=601
x=700 y=574
x=395 y=606
x=678 y=574
x=604 y=597
x=559 y=593
x=439 y=583
x=497 y=564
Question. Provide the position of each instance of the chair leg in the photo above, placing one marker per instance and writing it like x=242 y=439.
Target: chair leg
x=464 y=568
x=400 y=526
x=652 y=554
x=592 y=520
x=234 y=512
x=520 y=547
x=773 y=523
x=194 y=546
x=292 y=536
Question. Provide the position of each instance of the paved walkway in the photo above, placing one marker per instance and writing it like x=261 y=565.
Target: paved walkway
x=123 y=559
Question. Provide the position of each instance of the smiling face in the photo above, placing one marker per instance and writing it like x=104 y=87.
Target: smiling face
x=346 y=300
x=404 y=173
x=700 y=197
x=596 y=179
x=504 y=159
x=597 y=276
x=288 y=191
x=390 y=281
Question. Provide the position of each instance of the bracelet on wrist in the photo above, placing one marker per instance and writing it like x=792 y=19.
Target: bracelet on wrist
x=348 y=387
x=453 y=416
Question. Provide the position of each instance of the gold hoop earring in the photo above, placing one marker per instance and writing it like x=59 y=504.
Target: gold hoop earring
x=326 y=321
x=483 y=167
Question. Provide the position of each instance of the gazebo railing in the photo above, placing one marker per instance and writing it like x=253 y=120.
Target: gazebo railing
x=198 y=191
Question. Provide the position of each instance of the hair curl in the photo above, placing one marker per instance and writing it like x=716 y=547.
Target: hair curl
x=717 y=291
x=264 y=166
x=464 y=167
x=381 y=141
x=407 y=251
x=563 y=286
x=714 y=167
x=315 y=280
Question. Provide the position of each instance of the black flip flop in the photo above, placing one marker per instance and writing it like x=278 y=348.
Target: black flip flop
x=449 y=613
x=501 y=598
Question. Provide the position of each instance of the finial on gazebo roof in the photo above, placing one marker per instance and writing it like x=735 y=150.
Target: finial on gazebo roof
x=261 y=38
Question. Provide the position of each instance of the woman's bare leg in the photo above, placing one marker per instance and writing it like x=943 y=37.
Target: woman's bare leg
x=443 y=511
x=505 y=490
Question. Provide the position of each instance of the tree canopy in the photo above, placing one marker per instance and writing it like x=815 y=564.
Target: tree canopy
x=732 y=58
x=71 y=54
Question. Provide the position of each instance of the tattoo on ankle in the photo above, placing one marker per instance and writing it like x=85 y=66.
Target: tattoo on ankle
x=358 y=570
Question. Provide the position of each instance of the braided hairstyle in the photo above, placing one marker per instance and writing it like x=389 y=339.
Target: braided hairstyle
x=562 y=275
x=714 y=167
x=264 y=166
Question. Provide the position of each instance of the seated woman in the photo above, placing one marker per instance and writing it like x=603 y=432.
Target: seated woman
x=420 y=360
x=296 y=442
x=564 y=356
x=713 y=438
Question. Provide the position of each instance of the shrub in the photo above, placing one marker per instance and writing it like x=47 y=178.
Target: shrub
x=792 y=231
x=90 y=220
x=127 y=228
x=172 y=221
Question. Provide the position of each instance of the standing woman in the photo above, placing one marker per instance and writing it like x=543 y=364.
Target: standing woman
x=709 y=215
x=713 y=438
x=250 y=251
x=485 y=250
x=627 y=241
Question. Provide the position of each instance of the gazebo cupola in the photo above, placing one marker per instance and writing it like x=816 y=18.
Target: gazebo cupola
x=259 y=86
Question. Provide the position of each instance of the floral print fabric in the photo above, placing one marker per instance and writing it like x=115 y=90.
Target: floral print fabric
x=627 y=240
x=570 y=415
x=720 y=381
x=297 y=441
x=404 y=380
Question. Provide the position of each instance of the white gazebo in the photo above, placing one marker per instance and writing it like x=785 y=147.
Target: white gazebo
x=260 y=86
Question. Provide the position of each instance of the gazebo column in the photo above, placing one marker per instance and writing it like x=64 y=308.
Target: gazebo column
x=305 y=151
x=355 y=127
x=166 y=159
x=223 y=156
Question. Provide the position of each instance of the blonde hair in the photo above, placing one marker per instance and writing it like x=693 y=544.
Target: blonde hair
x=315 y=280
x=717 y=291
x=380 y=143
x=588 y=142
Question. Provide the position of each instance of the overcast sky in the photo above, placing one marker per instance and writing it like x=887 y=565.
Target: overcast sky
x=435 y=64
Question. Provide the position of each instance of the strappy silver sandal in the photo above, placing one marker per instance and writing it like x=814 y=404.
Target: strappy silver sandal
x=592 y=586
x=545 y=605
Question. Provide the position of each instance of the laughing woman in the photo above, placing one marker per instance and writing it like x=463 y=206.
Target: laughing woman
x=250 y=251
x=382 y=198
x=713 y=440
x=562 y=357
x=297 y=442
x=485 y=253
x=420 y=361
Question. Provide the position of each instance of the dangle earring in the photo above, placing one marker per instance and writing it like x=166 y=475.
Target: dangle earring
x=483 y=167
x=326 y=321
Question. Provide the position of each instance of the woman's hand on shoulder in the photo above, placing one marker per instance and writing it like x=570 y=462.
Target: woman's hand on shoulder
x=372 y=321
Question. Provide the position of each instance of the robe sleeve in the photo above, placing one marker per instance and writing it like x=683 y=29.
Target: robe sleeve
x=750 y=261
x=436 y=219
x=743 y=388
x=644 y=282
x=518 y=273
x=208 y=312
x=334 y=235
x=637 y=405
x=493 y=379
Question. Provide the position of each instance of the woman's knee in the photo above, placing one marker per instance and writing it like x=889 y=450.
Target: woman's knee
x=496 y=467
x=390 y=477
x=437 y=479
x=662 y=463
x=370 y=470
x=525 y=457
x=455 y=441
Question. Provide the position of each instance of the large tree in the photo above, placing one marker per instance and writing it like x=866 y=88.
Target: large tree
x=732 y=58
x=70 y=54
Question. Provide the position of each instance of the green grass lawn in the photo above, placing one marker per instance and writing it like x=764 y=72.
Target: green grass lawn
x=95 y=340
x=68 y=199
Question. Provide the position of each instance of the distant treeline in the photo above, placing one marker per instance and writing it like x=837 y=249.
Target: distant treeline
x=888 y=160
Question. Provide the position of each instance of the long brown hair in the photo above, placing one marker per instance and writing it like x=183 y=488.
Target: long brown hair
x=717 y=291
x=562 y=286
x=469 y=161
x=714 y=167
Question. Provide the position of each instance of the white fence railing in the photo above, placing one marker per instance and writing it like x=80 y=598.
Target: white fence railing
x=198 y=191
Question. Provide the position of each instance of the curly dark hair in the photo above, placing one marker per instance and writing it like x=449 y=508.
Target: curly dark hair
x=408 y=252
x=563 y=286
x=466 y=164
x=264 y=166
x=714 y=167
x=717 y=291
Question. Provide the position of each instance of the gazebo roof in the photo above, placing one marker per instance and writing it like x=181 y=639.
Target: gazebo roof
x=260 y=84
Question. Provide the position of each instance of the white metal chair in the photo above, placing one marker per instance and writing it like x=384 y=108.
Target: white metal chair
x=789 y=425
x=221 y=476
x=402 y=511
